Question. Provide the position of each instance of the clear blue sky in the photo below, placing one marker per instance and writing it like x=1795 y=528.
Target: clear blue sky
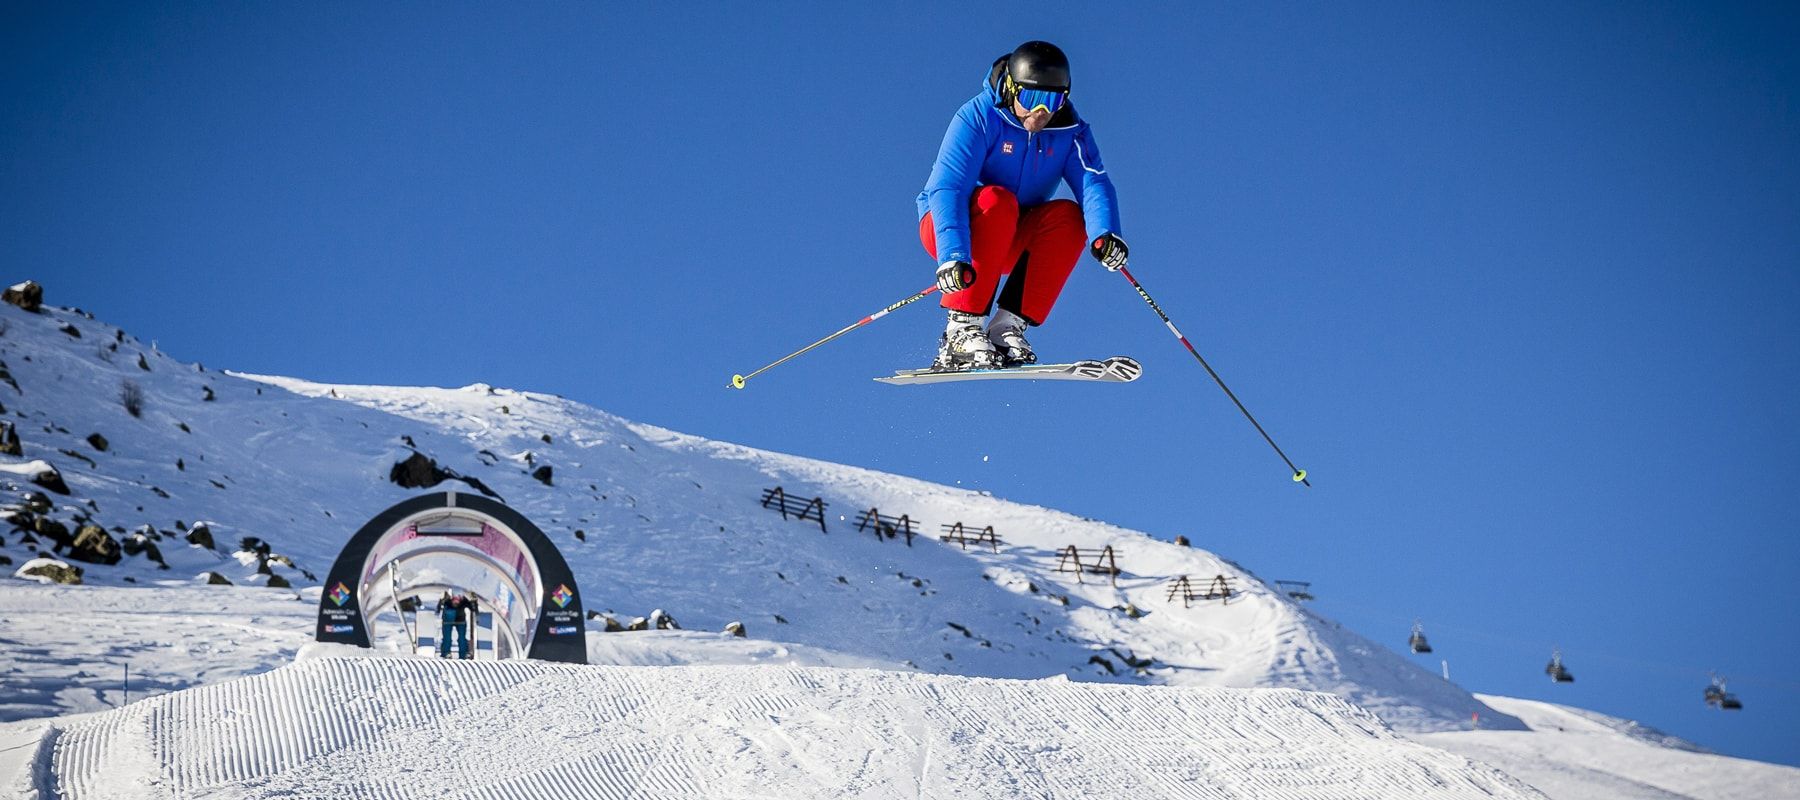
x=1519 y=285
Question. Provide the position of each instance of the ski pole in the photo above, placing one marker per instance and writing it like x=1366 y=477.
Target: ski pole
x=1299 y=474
x=737 y=381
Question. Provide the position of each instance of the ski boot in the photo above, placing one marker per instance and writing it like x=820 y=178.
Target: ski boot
x=1007 y=333
x=965 y=346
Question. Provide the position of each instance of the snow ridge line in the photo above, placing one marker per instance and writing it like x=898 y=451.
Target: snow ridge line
x=37 y=781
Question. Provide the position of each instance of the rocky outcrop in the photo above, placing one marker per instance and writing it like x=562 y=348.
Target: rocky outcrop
x=56 y=532
x=201 y=535
x=419 y=471
x=215 y=579
x=143 y=544
x=736 y=629
x=9 y=440
x=36 y=503
x=95 y=546
x=1181 y=540
x=46 y=476
x=98 y=442
x=28 y=295
x=49 y=570
x=543 y=475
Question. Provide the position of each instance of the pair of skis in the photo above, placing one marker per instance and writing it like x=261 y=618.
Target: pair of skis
x=1116 y=370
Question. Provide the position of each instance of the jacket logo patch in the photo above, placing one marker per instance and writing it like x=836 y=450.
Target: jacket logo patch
x=1006 y=147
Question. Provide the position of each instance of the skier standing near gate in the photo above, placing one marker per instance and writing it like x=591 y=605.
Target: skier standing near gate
x=987 y=211
x=453 y=615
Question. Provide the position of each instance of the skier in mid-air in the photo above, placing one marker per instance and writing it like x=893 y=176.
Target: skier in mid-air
x=987 y=209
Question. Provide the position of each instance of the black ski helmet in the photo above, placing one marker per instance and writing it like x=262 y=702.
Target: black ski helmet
x=1038 y=65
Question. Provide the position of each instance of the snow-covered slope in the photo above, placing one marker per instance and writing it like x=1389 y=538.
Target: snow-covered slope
x=1573 y=754
x=649 y=518
x=442 y=729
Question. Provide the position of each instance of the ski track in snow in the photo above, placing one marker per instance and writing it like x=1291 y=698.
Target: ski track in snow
x=423 y=728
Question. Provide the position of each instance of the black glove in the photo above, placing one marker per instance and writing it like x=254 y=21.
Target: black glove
x=955 y=276
x=1110 y=250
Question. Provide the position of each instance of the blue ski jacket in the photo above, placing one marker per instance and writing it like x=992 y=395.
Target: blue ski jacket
x=986 y=146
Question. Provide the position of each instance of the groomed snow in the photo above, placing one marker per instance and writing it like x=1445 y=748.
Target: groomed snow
x=417 y=728
x=1573 y=754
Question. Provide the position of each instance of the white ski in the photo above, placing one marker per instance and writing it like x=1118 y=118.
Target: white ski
x=1117 y=369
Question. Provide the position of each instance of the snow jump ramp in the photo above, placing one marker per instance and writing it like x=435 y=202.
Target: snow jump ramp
x=423 y=728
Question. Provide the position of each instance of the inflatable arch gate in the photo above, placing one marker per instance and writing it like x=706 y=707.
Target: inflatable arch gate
x=532 y=594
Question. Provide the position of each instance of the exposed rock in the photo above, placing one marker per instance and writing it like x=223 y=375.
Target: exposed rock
x=215 y=579
x=49 y=478
x=208 y=397
x=661 y=620
x=56 y=532
x=278 y=582
x=95 y=546
x=71 y=330
x=143 y=363
x=1108 y=665
x=1134 y=662
x=543 y=475
x=98 y=442
x=52 y=570
x=421 y=472
x=6 y=376
x=638 y=624
x=37 y=503
x=781 y=619
x=28 y=295
x=5 y=560
x=1181 y=540
x=416 y=472
x=1132 y=611
x=143 y=544
x=9 y=440
x=580 y=534
x=737 y=629
x=201 y=535
x=546 y=438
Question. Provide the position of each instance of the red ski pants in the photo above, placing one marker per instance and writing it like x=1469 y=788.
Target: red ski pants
x=1037 y=246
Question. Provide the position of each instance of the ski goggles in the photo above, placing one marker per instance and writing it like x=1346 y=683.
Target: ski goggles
x=1050 y=100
